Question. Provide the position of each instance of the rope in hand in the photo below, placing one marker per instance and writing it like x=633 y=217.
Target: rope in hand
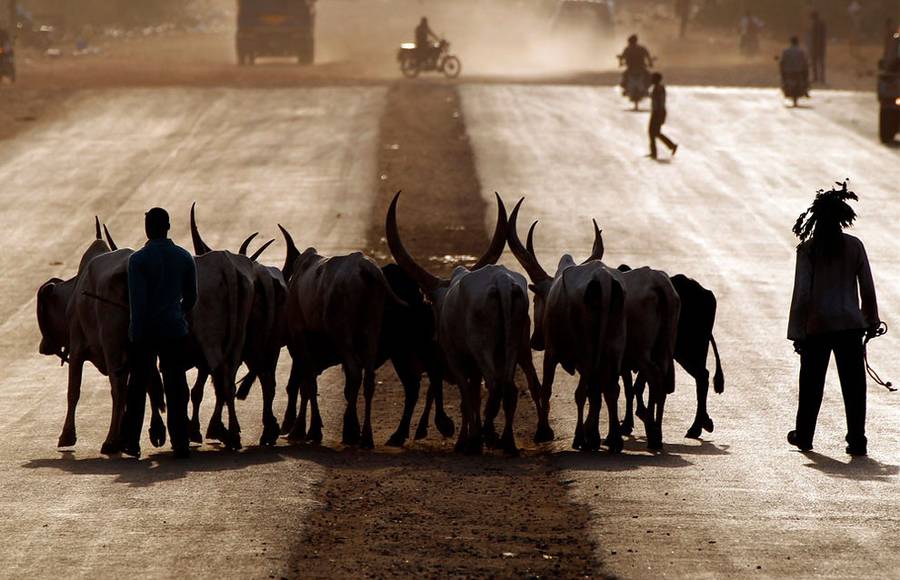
x=881 y=330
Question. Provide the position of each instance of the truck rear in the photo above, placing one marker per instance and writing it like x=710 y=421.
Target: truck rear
x=276 y=28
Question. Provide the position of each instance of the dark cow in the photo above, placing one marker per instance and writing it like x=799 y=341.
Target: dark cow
x=694 y=338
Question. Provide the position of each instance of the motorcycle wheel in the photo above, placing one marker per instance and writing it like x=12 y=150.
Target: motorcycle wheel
x=451 y=67
x=888 y=123
x=409 y=67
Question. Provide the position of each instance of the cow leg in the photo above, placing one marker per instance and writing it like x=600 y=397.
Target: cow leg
x=510 y=400
x=216 y=428
x=639 y=384
x=367 y=440
x=196 y=399
x=592 y=423
x=422 y=429
x=491 y=410
x=270 y=423
x=611 y=394
x=660 y=406
x=68 y=438
x=474 y=443
x=580 y=398
x=234 y=427
x=442 y=421
x=290 y=412
x=353 y=377
x=544 y=432
x=411 y=386
x=465 y=416
x=157 y=403
x=628 y=420
x=701 y=418
x=119 y=383
x=654 y=400
x=315 y=421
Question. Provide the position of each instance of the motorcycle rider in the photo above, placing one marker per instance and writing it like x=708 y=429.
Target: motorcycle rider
x=424 y=38
x=795 y=66
x=637 y=60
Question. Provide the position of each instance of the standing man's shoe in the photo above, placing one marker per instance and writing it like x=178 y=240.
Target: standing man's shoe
x=674 y=150
x=856 y=450
x=794 y=440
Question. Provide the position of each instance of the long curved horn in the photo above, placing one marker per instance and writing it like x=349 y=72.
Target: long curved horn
x=97 y=227
x=597 y=250
x=200 y=246
x=262 y=249
x=498 y=242
x=246 y=244
x=525 y=258
x=292 y=254
x=427 y=281
x=529 y=242
x=109 y=240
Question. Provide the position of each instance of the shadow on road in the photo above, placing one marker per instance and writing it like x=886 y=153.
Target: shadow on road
x=857 y=468
x=162 y=466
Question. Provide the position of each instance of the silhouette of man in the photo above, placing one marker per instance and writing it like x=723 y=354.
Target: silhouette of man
x=5 y=40
x=832 y=278
x=162 y=289
x=794 y=63
x=683 y=11
x=818 y=40
x=424 y=38
x=636 y=58
x=658 y=115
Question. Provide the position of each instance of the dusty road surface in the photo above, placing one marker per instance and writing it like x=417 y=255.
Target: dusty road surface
x=741 y=502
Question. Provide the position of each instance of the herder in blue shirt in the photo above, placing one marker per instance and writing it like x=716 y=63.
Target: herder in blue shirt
x=162 y=289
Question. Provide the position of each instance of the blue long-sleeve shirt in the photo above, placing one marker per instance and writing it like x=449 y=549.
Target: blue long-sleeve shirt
x=162 y=289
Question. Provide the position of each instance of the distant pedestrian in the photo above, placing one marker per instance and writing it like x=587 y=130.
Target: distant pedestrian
x=683 y=12
x=658 y=115
x=818 y=40
x=162 y=289
x=833 y=307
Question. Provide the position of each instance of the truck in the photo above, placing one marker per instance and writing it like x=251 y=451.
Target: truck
x=889 y=90
x=276 y=28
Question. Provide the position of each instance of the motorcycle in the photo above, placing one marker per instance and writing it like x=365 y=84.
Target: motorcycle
x=7 y=65
x=635 y=84
x=437 y=59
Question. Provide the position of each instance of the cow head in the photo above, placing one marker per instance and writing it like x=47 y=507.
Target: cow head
x=434 y=287
x=540 y=280
x=52 y=302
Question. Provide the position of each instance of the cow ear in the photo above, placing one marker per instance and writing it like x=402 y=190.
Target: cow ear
x=47 y=288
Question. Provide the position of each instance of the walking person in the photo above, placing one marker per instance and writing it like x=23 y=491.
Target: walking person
x=658 y=115
x=833 y=307
x=818 y=40
x=162 y=289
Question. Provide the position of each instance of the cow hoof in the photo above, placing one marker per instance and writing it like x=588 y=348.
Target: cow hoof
x=626 y=427
x=269 y=435
x=655 y=444
x=110 y=448
x=216 y=431
x=578 y=441
x=350 y=437
x=298 y=433
x=421 y=433
x=444 y=424
x=234 y=442
x=511 y=451
x=314 y=435
x=708 y=424
x=544 y=434
x=694 y=432
x=474 y=448
x=67 y=439
x=614 y=444
x=157 y=433
x=396 y=440
x=459 y=447
x=287 y=426
x=367 y=441
x=591 y=443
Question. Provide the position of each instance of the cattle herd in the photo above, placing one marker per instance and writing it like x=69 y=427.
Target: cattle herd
x=469 y=329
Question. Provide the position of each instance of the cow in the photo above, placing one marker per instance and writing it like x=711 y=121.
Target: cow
x=695 y=336
x=85 y=319
x=482 y=327
x=579 y=323
x=407 y=340
x=219 y=326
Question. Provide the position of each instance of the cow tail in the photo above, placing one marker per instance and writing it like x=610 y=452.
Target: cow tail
x=233 y=301
x=669 y=309
x=719 y=376
x=508 y=341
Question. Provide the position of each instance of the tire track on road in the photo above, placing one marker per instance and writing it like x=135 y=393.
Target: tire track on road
x=426 y=511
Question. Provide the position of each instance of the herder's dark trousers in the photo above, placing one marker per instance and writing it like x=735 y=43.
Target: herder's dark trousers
x=656 y=122
x=171 y=353
x=849 y=354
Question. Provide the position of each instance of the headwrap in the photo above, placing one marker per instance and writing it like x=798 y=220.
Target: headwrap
x=829 y=207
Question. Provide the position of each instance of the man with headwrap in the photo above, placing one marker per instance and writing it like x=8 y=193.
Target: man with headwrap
x=833 y=307
x=636 y=58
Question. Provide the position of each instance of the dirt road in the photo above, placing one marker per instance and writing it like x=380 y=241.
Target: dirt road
x=741 y=502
